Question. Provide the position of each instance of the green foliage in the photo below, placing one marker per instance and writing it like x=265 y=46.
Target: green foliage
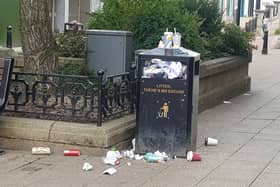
x=208 y=10
x=148 y=19
x=277 y=32
x=70 y=44
x=232 y=41
x=74 y=69
x=235 y=41
x=199 y=22
x=78 y=70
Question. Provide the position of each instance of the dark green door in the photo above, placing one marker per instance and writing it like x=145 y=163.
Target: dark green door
x=9 y=15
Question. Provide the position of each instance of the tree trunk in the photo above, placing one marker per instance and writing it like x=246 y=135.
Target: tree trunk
x=36 y=35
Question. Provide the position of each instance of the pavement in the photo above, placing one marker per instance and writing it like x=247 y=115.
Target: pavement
x=248 y=152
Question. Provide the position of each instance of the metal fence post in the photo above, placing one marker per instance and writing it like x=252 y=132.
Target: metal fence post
x=9 y=37
x=132 y=87
x=100 y=74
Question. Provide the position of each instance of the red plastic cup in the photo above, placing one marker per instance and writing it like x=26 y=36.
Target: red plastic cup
x=196 y=157
x=72 y=152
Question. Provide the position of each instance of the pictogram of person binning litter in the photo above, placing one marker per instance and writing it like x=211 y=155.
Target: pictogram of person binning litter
x=163 y=113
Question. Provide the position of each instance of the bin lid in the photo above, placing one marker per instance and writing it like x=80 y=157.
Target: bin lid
x=109 y=32
x=172 y=52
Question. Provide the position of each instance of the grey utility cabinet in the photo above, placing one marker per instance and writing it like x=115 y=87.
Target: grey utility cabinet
x=109 y=50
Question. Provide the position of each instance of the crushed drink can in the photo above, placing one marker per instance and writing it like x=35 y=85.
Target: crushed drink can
x=72 y=152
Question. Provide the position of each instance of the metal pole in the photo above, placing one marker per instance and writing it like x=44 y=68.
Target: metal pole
x=258 y=4
x=100 y=74
x=238 y=13
x=265 y=43
x=9 y=36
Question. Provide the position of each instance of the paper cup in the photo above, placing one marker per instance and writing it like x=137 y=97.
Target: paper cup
x=193 y=156
x=71 y=152
x=210 y=141
x=177 y=40
x=196 y=157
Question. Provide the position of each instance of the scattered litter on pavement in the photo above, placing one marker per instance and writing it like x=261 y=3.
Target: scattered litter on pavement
x=72 y=152
x=247 y=94
x=129 y=163
x=133 y=144
x=138 y=157
x=2 y=152
x=156 y=157
x=227 y=102
x=193 y=156
x=41 y=151
x=210 y=141
x=112 y=158
x=110 y=171
x=87 y=166
x=129 y=154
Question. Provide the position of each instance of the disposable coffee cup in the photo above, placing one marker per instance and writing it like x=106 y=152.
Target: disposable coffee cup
x=193 y=156
x=177 y=40
x=196 y=157
x=167 y=39
x=211 y=141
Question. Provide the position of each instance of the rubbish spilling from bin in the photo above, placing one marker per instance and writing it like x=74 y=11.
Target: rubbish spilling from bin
x=71 y=152
x=110 y=171
x=193 y=156
x=211 y=141
x=157 y=68
x=112 y=158
x=41 y=151
x=87 y=166
x=138 y=157
x=156 y=157
x=227 y=102
x=129 y=154
x=2 y=152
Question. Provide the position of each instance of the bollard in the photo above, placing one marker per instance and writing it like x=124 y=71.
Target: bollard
x=9 y=36
x=265 y=37
x=265 y=43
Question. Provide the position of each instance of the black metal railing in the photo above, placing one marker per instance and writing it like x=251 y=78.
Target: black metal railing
x=251 y=25
x=72 y=98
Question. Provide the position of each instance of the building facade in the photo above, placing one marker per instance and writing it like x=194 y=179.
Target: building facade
x=65 y=11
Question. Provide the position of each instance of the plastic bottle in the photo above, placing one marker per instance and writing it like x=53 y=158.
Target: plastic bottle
x=151 y=158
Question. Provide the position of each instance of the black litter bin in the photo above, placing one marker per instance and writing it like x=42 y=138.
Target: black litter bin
x=167 y=100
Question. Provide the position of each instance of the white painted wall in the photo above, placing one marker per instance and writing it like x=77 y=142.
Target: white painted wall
x=61 y=14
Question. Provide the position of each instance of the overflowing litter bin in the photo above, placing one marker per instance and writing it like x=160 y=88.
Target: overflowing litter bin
x=167 y=100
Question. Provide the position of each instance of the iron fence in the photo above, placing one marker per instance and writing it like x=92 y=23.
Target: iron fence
x=72 y=98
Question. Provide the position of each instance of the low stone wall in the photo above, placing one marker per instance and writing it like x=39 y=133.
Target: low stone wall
x=16 y=53
x=69 y=60
x=222 y=79
x=19 y=61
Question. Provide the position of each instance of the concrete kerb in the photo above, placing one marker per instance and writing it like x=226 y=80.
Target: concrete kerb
x=23 y=134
